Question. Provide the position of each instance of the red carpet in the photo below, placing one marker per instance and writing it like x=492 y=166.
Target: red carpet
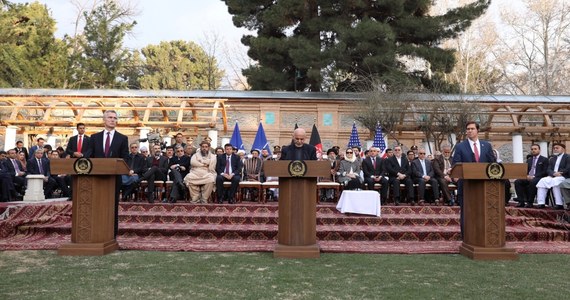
x=253 y=227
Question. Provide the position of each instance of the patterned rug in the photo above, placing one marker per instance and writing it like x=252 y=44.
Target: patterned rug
x=249 y=227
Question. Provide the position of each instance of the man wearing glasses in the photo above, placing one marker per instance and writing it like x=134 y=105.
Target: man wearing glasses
x=137 y=166
x=179 y=167
x=423 y=174
x=399 y=171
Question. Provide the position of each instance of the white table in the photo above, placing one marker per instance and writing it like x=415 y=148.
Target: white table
x=359 y=202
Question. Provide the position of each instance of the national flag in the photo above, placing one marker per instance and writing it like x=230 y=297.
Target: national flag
x=379 y=141
x=316 y=140
x=354 y=139
x=260 y=141
x=236 y=140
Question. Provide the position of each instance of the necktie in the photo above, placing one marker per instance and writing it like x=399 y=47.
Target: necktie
x=40 y=166
x=107 y=144
x=476 y=152
x=16 y=165
x=533 y=168
x=227 y=165
x=424 y=167
x=374 y=162
x=79 y=143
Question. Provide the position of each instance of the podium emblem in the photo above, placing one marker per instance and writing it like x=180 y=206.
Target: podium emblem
x=495 y=171
x=83 y=166
x=297 y=168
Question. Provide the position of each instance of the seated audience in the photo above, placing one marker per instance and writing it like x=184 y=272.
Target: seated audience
x=228 y=168
x=373 y=170
x=537 y=168
x=349 y=171
x=399 y=171
x=202 y=176
x=423 y=174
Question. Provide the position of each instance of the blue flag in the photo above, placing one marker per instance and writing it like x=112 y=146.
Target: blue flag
x=354 y=139
x=379 y=140
x=236 y=138
x=260 y=141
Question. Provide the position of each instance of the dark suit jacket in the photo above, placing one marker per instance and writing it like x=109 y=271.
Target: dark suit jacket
x=72 y=146
x=34 y=168
x=119 y=147
x=563 y=168
x=417 y=170
x=10 y=166
x=368 y=168
x=234 y=160
x=183 y=160
x=137 y=163
x=392 y=167
x=162 y=164
x=308 y=152
x=541 y=166
x=464 y=154
x=33 y=151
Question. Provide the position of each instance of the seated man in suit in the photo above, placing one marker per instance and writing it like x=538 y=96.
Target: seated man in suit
x=399 y=171
x=373 y=169
x=442 y=168
x=228 y=168
x=137 y=165
x=7 y=190
x=39 y=165
x=157 y=170
x=558 y=171
x=62 y=181
x=179 y=166
x=423 y=173
x=537 y=167
x=202 y=176
x=16 y=169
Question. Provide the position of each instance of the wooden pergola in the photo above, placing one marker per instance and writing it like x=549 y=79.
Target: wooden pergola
x=34 y=113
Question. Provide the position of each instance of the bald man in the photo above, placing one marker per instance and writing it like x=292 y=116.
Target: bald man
x=298 y=150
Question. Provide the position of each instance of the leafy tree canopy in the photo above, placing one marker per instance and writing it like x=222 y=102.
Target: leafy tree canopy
x=338 y=44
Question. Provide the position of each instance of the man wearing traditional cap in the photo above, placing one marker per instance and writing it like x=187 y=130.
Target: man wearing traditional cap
x=558 y=171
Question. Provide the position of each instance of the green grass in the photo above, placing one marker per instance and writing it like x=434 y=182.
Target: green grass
x=187 y=275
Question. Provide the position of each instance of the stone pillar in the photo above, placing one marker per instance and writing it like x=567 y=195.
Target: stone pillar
x=167 y=140
x=517 y=148
x=453 y=139
x=10 y=137
x=226 y=140
x=35 y=188
x=213 y=134
x=52 y=141
x=143 y=132
x=543 y=148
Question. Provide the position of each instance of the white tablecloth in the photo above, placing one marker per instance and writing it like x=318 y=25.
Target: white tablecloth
x=359 y=202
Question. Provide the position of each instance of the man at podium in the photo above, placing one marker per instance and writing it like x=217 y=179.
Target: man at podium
x=471 y=150
x=110 y=143
x=298 y=150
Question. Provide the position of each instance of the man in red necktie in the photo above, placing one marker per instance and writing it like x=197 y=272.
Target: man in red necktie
x=78 y=145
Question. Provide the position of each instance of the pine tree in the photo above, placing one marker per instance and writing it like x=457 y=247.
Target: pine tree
x=343 y=45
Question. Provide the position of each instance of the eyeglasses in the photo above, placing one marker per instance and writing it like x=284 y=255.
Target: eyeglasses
x=349 y=152
x=144 y=151
x=422 y=153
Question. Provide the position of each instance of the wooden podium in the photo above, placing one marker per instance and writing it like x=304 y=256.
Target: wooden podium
x=484 y=210
x=297 y=235
x=93 y=214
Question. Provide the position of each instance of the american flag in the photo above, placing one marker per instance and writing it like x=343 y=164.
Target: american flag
x=354 y=139
x=379 y=141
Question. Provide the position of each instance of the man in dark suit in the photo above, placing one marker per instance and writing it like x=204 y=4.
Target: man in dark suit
x=558 y=171
x=373 y=169
x=16 y=169
x=78 y=145
x=21 y=149
x=423 y=173
x=7 y=190
x=298 y=150
x=228 y=168
x=137 y=166
x=179 y=166
x=537 y=166
x=110 y=143
x=157 y=170
x=399 y=171
x=39 y=165
x=40 y=143
x=471 y=150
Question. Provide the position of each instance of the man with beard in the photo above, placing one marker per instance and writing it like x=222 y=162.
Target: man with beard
x=202 y=174
x=442 y=168
x=298 y=150
x=558 y=171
